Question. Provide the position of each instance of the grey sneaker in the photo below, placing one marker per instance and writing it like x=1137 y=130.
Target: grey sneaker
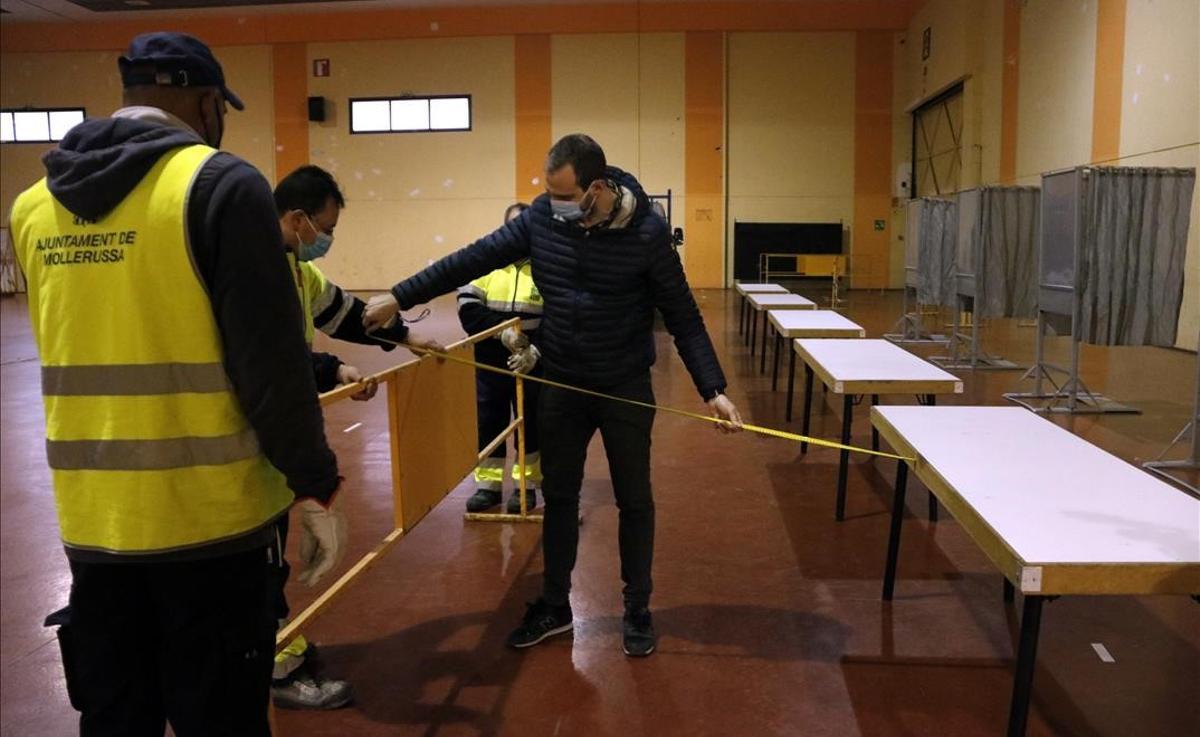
x=304 y=689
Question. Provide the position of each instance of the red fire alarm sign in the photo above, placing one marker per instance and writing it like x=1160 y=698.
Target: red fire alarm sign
x=320 y=67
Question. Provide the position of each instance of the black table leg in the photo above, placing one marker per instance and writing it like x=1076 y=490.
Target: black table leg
x=775 y=360
x=874 y=432
x=808 y=377
x=753 y=333
x=1009 y=592
x=844 y=460
x=762 y=358
x=742 y=316
x=791 y=379
x=1031 y=623
x=893 y=551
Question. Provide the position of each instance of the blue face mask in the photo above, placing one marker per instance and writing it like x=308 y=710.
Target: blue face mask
x=567 y=211
x=318 y=248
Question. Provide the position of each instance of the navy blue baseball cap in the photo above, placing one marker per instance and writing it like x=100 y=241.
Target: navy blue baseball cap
x=173 y=60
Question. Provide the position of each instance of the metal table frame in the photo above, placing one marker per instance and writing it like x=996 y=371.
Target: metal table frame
x=853 y=393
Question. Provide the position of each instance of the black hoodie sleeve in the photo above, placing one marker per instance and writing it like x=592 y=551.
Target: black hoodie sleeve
x=342 y=320
x=236 y=242
x=500 y=248
x=325 y=371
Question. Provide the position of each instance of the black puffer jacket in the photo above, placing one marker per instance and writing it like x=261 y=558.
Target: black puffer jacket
x=600 y=287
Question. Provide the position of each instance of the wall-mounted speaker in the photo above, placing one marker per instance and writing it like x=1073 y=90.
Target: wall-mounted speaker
x=316 y=109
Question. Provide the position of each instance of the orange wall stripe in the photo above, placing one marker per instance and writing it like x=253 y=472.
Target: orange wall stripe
x=289 y=67
x=1009 y=80
x=1110 y=68
x=704 y=158
x=531 y=55
x=872 y=158
x=806 y=15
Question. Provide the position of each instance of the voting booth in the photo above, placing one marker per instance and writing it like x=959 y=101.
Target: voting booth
x=1110 y=271
x=929 y=235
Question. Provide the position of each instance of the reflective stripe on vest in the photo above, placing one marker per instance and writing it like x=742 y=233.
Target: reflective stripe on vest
x=507 y=290
x=149 y=448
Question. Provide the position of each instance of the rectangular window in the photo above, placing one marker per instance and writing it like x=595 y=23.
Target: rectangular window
x=410 y=114
x=31 y=125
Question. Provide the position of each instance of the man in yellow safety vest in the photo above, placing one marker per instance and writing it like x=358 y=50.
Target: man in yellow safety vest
x=181 y=414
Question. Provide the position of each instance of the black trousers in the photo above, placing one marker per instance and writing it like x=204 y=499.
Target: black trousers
x=568 y=421
x=189 y=643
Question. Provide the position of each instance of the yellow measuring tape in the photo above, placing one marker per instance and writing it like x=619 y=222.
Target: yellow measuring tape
x=758 y=429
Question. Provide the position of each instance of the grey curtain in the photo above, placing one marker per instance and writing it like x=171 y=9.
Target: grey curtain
x=1134 y=239
x=936 y=251
x=1006 y=262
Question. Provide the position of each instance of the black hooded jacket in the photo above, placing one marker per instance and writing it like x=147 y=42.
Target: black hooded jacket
x=234 y=236
x=600 y=289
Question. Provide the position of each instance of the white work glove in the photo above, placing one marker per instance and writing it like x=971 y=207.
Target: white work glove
x=322 y=541
x=523 y=362
x=514 y=340
x=382 y=312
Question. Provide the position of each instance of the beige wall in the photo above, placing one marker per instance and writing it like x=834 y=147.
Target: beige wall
x=626 y=91
x=661 y=131
x=791 y=128
x=251 y=133
x=414 y=197
x=1058 y=62
x=91 y=80
x=39 y=80
x=948 y=22
x=1161 y=109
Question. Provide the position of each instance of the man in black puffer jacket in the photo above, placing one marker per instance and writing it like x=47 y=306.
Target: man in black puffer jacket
x=603 y=262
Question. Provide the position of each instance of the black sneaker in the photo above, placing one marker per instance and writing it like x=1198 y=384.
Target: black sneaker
x=514 y=501
x=541 y=621
x=639 y=633
x=483 y=500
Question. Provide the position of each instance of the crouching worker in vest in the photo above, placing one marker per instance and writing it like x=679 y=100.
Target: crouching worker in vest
x=486 y=302
x=182 y=418
x=309 y=203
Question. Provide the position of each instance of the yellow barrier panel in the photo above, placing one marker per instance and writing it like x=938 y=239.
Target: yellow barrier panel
x=429 y=458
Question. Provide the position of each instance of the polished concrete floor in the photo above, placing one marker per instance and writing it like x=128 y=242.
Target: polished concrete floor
x=768 y=610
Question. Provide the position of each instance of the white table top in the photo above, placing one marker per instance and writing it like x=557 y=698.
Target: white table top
x=759 y=288
x=813 y=322
x=1050 y=496
x=847 y=364
x=780 y=302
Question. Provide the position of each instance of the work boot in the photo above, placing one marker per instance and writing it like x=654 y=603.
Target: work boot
x=514 y=501
x=483 y=500
x=541 y=620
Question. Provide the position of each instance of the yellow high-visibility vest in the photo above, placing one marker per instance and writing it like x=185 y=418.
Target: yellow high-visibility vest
x=510 y=289
x=149 y=448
